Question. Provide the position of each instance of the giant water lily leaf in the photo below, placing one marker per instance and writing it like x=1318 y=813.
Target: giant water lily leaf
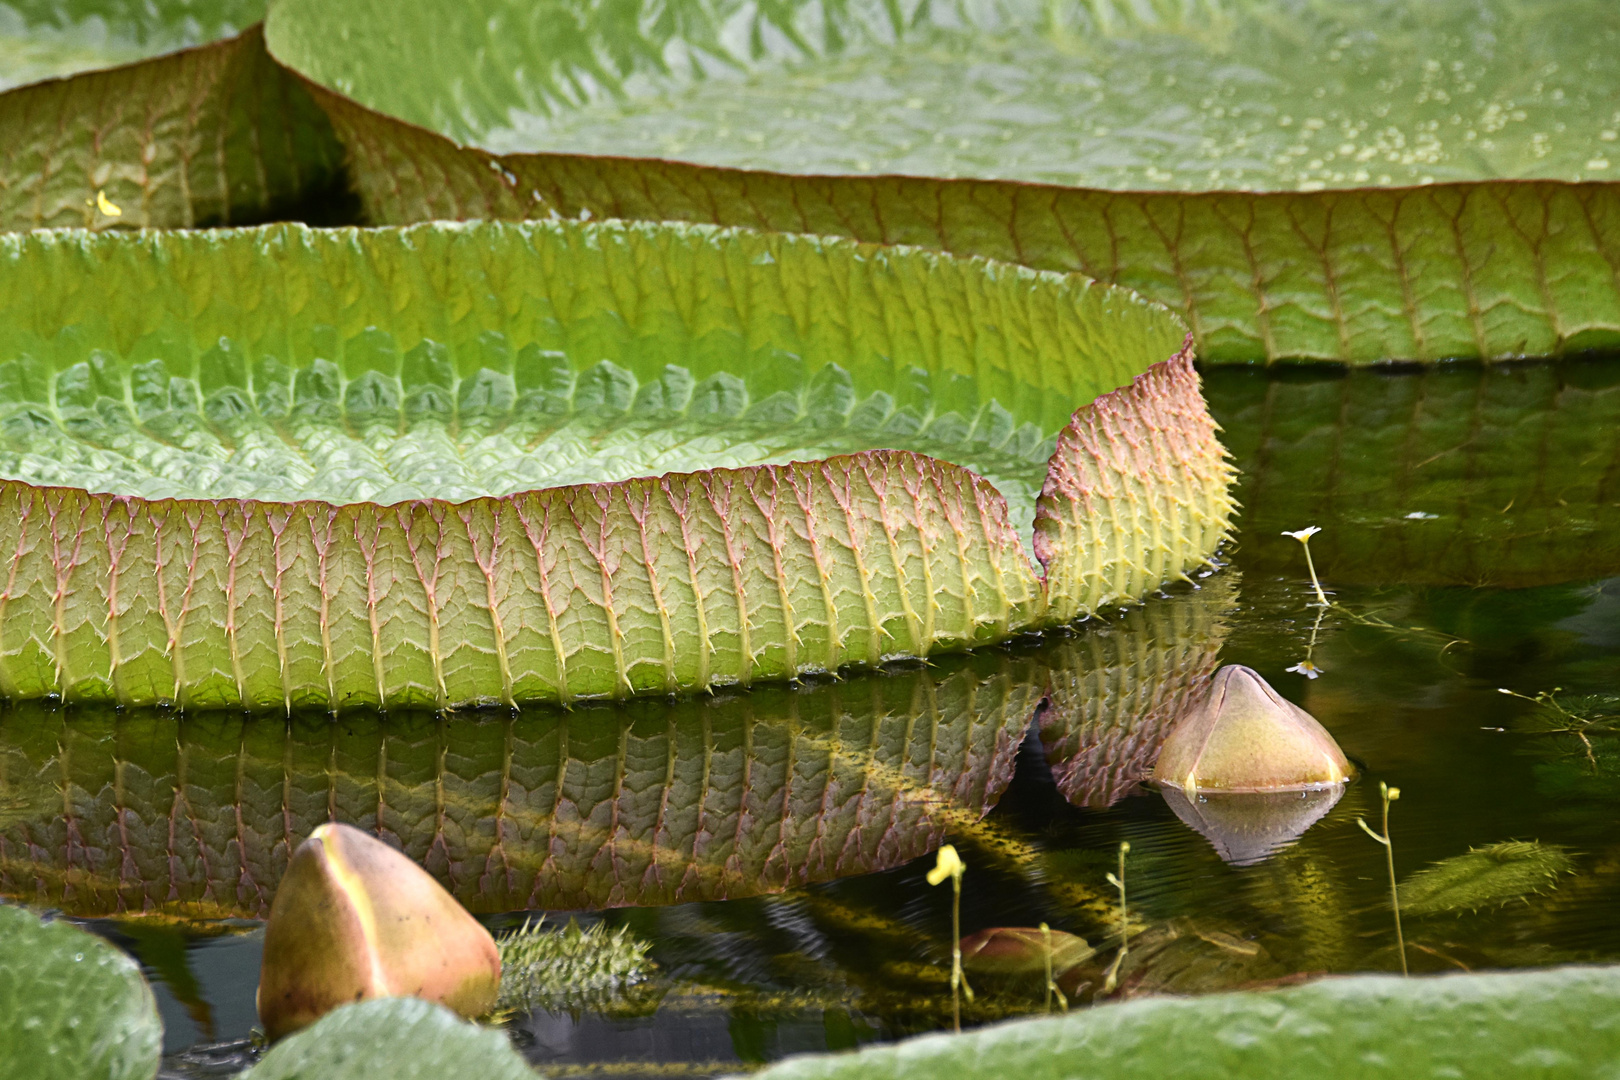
x=72 y=1005
x=471 y=371
x=1453 y=476
x=1258 y=104
x=209 y=136
x=1554 y=1023
x=1253 y=94
x=42 y=39
x=644 y=803
x=394 y=1037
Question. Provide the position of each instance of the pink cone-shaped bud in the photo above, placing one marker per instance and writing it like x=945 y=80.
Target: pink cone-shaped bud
x=1241 y=735
x=353 y=919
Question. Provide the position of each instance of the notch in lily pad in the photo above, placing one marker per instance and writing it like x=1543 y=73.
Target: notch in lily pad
x=1249 y=769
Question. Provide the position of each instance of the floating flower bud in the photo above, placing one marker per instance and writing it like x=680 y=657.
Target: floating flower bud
x=1243 y=736
x=354 y=919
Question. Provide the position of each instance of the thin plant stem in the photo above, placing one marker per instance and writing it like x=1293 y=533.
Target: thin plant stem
x=1390 y=794
x=957 y=981
x=1124 y=921
x=949 y=864
x=1052 y=987
x=1321 y=597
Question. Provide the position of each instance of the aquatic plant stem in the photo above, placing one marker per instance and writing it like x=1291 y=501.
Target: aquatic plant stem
x=1124 y=921
x=1304 y=538
x=1051 y=984
x=948 y=864
x=1390 y=794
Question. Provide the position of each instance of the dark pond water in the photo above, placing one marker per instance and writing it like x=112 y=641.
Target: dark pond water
x=771 y=847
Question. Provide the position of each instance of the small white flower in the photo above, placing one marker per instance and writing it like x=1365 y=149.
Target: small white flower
x=1304 y=534
x=1307 y=669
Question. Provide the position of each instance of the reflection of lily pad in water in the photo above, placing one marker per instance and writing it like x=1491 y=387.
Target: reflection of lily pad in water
x=1510 y=467
x=647 y=803
x=1118 y=690
x=641 y=803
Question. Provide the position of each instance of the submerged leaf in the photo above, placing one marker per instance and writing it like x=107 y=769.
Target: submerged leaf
x=1022 y=950
x=71 y=1005
x=1488 y=876
x=568 y=969
x=393 y=1038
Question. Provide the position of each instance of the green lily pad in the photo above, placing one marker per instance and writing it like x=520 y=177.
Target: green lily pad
x=42 y=39
x=71 y=1005
x=1558 y=1022
x=476 y=407
x=1221 y=128
x=392 y=1039
x=1253 y=95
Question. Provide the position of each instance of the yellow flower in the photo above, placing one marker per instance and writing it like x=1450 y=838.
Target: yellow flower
x=107 y=206
x=948 y=865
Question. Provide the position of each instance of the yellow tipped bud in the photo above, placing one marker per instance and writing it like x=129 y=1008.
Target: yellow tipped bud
x=107 y=206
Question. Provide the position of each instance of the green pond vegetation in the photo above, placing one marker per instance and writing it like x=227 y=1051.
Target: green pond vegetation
x=724 y=487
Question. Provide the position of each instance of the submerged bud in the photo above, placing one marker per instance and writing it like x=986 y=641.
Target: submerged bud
x=1021 y=950
x=353 y=919
x=1243 y=736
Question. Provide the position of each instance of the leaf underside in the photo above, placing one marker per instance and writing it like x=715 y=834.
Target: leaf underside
x=215 y=135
